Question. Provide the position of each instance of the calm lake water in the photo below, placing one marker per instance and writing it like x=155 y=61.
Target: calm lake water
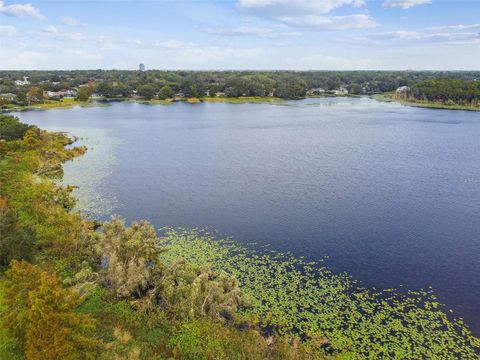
x=390 y=194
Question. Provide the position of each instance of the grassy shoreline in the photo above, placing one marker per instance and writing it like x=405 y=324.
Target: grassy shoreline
x=71 y=103
x=388 y=97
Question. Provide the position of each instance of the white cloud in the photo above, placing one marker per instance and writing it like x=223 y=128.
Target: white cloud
x=53 y=33
x=198 y=56
x=460 y=37
x=457 y=27
x=261 y=32
x=21 y=10
x=85 y=56
x=276 y=8
x=241 y=31
x=50 y=29
x=320 y=22
x=25 y=60
x=404 y=4
x=8 y=30
x=170 y=45
x=67 y=20
x=309 y=14
x=328 y=62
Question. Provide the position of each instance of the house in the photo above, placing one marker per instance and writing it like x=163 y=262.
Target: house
x=59 y=94
x=315 y=91
x=341 y=91
x=9 y=97
x=180 y=95
x=403 y=89
x=220 y=94
x=22 y=82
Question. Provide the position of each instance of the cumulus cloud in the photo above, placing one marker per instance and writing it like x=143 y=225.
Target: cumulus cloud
x=50 y=29
x=320 y=22
x=276 y=8
x=261 y=32
x=25 y=60
x=404 y=4
x=8 y=30
x=20 y=10
x=67 y=20
x=53 y=33
x=191 y=55
x=170 y=45
x=460 y=37
x=457 y=27
x=309 y=14
x=324 y=62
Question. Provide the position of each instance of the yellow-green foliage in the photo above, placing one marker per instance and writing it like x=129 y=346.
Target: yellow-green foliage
x=40 y=204
x=40 y=314
x=188 y=292
x=304 y=297
x=129 y=255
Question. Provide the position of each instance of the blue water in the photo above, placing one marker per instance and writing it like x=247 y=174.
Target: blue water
x=391 y=194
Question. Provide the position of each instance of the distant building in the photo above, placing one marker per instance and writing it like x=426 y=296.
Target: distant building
x=141 y=67
x=341 y=91
x=403 y=89
x=22 y=82
x=315 y=91
x=8 y=97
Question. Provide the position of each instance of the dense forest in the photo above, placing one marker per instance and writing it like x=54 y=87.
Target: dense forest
x=72 y=287
x=28 y=87
x=444 y=90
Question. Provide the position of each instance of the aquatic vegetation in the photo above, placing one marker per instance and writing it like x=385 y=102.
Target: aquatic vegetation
x=89 y=172
x=305 y=298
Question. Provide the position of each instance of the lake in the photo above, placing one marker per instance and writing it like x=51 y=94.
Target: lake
x=387 y=193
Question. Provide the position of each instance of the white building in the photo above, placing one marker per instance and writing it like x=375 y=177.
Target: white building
x=22 y=82
x=341 y=91
x=403 y=89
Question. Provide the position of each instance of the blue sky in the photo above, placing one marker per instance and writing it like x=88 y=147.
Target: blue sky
x=241 y=34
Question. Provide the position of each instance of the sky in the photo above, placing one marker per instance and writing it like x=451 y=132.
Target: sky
x=240 y=34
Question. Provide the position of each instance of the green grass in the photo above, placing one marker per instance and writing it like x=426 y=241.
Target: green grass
x=306 y=298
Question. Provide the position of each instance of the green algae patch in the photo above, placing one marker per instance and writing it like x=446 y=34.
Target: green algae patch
x=305 y=298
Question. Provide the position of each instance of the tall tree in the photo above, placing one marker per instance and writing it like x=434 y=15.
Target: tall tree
x=128 y=255
x=40 y=314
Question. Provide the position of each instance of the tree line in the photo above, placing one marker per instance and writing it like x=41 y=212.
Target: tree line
x=196 y=84
x=444 y=90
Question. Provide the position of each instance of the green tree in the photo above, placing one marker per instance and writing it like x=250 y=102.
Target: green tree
x=35 y=95
x=15 y=241
x=11 y=128
x=128 y=255
x=166 y=92
x=85 y=92
x=146 y=91
x=41 y=315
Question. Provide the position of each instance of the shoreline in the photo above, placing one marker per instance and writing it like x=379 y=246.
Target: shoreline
x=387 y=97
x=94 y=102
